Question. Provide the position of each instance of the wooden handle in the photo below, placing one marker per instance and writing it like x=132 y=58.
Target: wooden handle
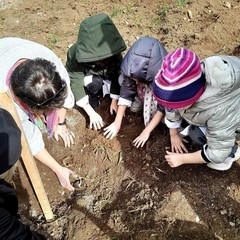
x=7 y=103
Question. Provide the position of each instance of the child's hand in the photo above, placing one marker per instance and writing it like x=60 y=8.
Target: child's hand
x=111 y=131
x=177 y=144
x=114 y=106
x=96 y=121
x=141 y=139
x=174 y=159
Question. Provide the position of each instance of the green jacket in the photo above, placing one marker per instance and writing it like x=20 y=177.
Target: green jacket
x=98 y=40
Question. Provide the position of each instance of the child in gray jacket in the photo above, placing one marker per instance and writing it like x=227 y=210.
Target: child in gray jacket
x=207 y=96
x=138 y=69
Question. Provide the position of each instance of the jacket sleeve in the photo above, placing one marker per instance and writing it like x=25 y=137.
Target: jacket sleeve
x=12 y=229
x=173 y=118
x=220 y=134
x=76 y=74
x=115 y=87
x=128 y=90
x=112 y=74
x=160 y=108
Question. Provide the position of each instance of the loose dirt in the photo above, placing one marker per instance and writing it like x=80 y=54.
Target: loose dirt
x=129 y=193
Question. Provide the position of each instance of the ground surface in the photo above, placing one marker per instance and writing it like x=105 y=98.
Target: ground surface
x=131 y=193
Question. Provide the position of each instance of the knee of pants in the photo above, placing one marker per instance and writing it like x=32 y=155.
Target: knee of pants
x=94 y=86
x=197 y=135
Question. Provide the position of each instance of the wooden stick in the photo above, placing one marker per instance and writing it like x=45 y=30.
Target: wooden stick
x=7 y=102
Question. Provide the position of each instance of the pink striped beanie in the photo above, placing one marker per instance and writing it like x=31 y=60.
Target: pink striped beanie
x=180 y=81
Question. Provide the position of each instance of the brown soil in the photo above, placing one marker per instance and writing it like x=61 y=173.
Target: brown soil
x=130 y=193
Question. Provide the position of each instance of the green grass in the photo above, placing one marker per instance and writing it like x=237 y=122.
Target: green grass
x=181 y=3
x=161 y=15
x=53 y=40
x=117 y=11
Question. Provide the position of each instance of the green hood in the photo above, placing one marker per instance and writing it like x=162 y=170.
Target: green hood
x=98 y=39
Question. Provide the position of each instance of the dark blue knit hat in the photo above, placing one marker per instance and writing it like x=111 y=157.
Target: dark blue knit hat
x=10 y=141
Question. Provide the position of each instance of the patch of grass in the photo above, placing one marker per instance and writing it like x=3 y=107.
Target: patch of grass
x=117 y=11
x=114 y=238
x=130 y=5
x=161 y=15
x=126 y=8
x=53 y=40
x=181 y=3
x=1 y=20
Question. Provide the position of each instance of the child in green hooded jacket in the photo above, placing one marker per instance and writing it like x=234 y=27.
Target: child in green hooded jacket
x=93 y=64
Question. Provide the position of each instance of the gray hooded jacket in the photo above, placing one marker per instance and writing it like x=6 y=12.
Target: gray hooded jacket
x=142 y=62
x=218 y=109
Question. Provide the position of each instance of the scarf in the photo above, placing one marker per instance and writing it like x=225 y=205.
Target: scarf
x=149 y=102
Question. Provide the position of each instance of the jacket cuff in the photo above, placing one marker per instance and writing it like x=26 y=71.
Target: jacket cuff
x=160 y=108
x=114 y=96
x=124 y=102
x=88 y=79
x=204 y=153
x=175 y=124
x=83 y=101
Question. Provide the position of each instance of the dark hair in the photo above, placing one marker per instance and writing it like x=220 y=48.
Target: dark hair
x=37 y=84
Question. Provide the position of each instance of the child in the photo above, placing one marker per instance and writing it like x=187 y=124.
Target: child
x=207 y=96
x=93 y=64
x=139 y=68
x=40 y=86
x=10 y=150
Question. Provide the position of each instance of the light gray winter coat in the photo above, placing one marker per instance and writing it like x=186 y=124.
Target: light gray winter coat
x=218 y=109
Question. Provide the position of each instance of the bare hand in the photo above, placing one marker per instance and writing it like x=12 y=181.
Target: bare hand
x=177 y=144
x=113 y=107
x=111 y=131
x=174 y=159
x=65 y=134
x=141 y=139
x=63 y=177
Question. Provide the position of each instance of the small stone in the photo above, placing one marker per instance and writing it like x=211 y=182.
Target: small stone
x=189 y=13
x=148 y=157
x=232 y=224
x=197 y=36
x=32 y=212
x=227 y=5
x=223 y=212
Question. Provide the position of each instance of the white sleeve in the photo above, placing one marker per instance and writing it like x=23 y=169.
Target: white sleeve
x=83 y=101
x=170 y=124
x=125 y=102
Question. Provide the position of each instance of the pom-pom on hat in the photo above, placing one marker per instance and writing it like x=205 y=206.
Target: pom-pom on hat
x=10 y=139
x=180 y=81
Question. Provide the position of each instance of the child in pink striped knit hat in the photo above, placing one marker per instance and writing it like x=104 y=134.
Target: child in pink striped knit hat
x=207 y=95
